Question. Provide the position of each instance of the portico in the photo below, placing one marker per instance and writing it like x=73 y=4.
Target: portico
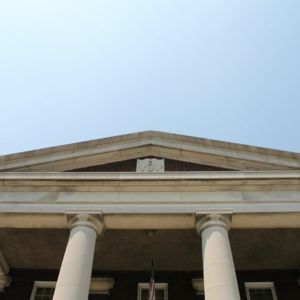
x=75 y=273
x=78 y=216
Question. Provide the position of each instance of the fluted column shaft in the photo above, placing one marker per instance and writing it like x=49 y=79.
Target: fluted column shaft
x=75 y=273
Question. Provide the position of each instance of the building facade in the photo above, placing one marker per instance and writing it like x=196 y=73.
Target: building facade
x=221 y=221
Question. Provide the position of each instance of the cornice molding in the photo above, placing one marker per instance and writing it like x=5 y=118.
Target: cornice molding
x=151 y=141
x=118 y=176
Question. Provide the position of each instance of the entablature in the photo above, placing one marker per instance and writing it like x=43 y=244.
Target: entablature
x=155 y=221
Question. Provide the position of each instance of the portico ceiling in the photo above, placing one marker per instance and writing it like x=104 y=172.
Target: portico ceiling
x=128 y=250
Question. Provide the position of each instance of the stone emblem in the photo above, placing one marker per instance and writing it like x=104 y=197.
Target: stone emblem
x=150 y=165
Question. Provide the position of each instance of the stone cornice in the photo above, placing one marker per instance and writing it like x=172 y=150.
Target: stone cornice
x=240 y=157
x=117 y=176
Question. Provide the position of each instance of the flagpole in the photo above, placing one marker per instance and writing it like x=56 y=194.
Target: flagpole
x=152 y=283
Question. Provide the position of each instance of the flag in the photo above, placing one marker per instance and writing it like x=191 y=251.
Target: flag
x=152 y=284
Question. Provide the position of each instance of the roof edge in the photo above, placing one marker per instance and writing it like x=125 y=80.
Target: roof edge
x=147 y=133
x=142 y=138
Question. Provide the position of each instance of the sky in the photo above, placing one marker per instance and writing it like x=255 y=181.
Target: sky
x=72 y=71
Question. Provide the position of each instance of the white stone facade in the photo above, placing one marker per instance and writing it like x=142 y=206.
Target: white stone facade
x=261 y=191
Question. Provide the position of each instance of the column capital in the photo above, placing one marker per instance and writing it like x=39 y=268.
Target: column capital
x=94 y=221
x=101 y=285
x=198 y=285
x=213 y=219
x=4 y=282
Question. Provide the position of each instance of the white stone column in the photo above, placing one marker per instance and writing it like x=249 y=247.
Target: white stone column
x=75 y=273
x=220 y=281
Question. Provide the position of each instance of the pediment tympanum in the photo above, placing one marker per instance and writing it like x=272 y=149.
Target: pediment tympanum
x=129 y=165
x=119 y=154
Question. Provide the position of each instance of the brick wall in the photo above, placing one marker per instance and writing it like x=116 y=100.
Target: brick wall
x=179 y=283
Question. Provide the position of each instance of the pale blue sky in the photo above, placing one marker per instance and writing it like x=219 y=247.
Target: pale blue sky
x=79 y=70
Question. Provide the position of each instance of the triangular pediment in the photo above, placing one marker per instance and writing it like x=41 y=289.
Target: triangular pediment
x=170 y=165
x=119 y=154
